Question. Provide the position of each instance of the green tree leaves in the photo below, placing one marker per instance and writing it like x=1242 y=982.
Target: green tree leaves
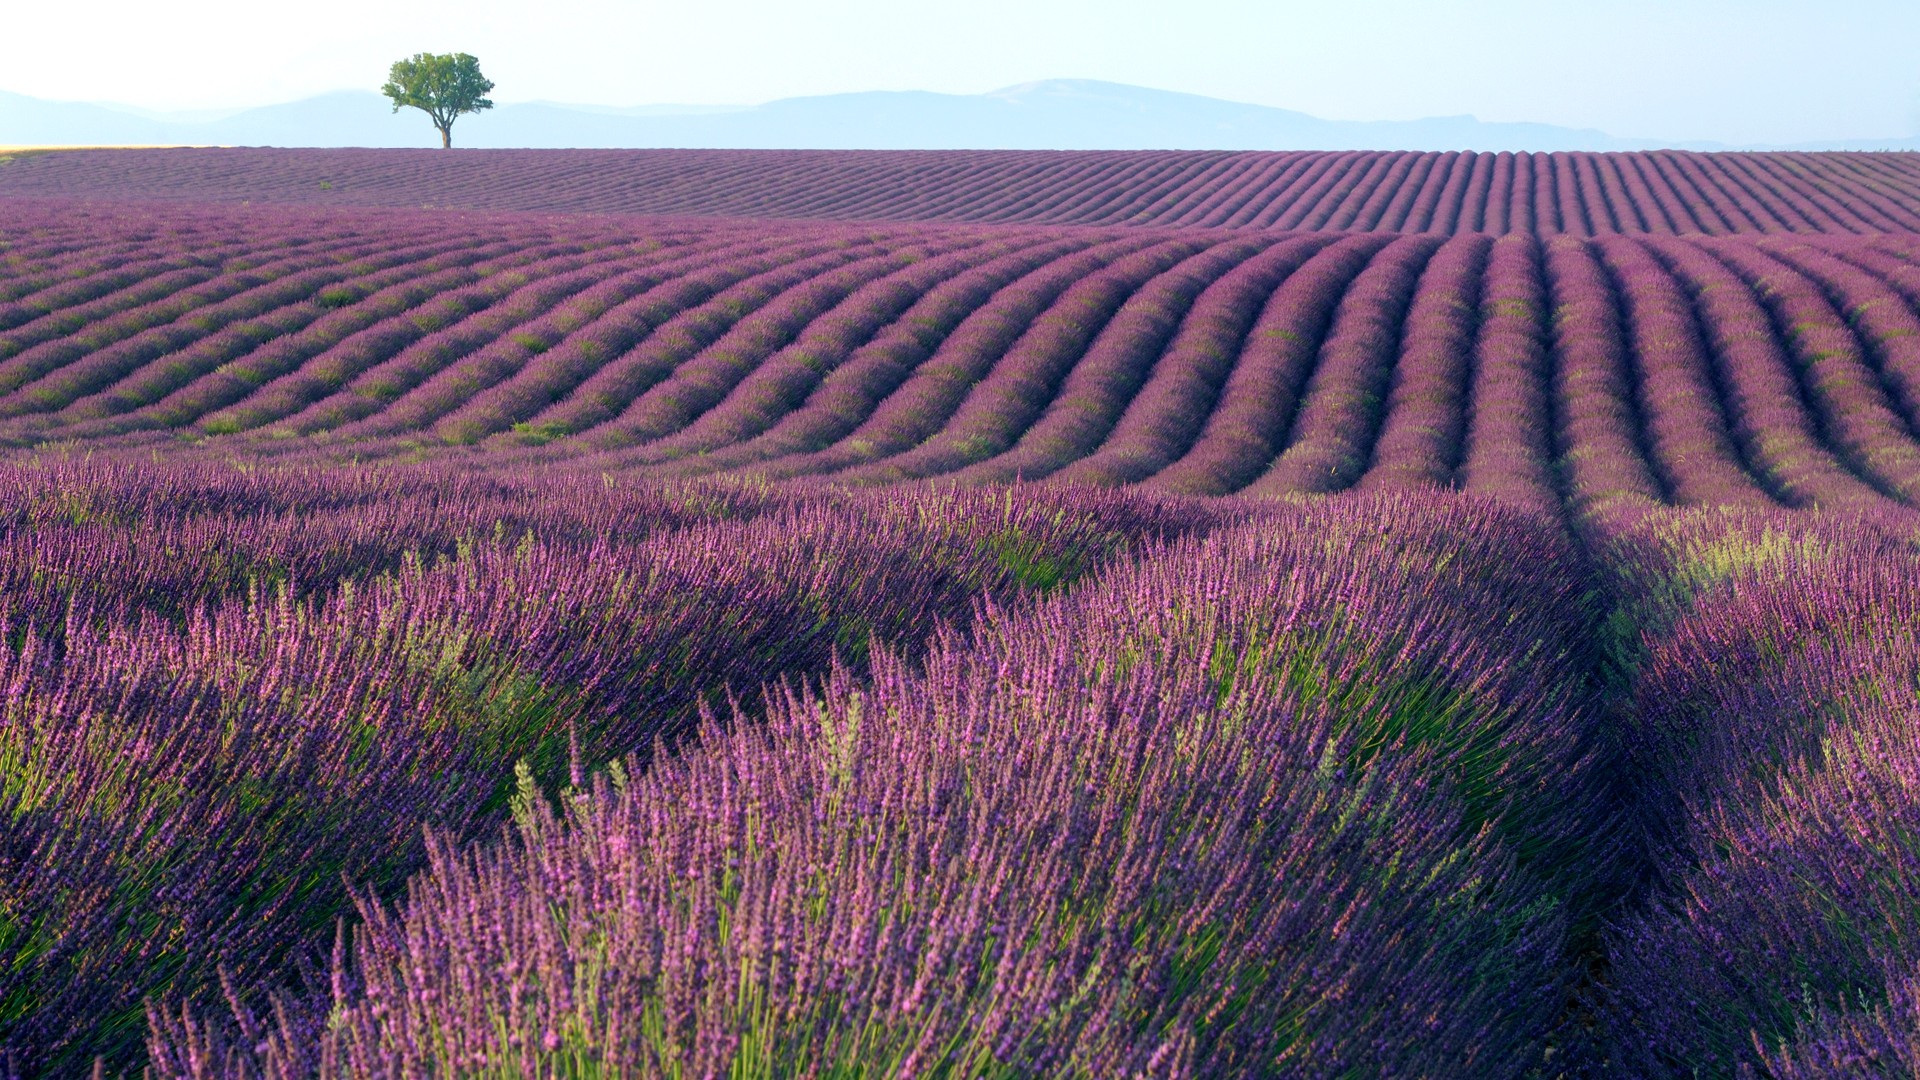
x=443 y=85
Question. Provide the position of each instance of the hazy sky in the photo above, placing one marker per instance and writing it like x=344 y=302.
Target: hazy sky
x=1740 y=71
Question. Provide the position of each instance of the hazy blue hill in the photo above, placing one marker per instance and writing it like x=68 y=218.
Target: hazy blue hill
x=1060 y=114
x=342 y=118
x=30 y=120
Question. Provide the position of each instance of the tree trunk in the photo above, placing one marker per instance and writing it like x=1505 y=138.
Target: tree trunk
x=446 y=137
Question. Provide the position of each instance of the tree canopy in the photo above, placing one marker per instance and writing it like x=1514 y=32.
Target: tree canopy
x=443 y=85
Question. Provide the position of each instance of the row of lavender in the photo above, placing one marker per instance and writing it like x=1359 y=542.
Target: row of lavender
x=230 y=695
x=1754 y=866
x=1663 y=192
x=1775 y=722
x=1189 y=817
x=1565 y=371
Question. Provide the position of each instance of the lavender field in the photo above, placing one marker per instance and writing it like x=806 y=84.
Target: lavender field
x=1099 y=615
x=1585 y=194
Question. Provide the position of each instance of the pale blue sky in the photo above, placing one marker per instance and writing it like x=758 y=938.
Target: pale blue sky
x=1739 y=71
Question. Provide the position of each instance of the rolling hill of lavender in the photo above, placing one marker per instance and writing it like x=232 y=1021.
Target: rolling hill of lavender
x=959 y=614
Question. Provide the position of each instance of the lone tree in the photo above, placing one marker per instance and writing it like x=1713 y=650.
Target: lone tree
x=442 y=85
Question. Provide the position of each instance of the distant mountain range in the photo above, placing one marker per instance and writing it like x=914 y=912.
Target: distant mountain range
x=1061 y=114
